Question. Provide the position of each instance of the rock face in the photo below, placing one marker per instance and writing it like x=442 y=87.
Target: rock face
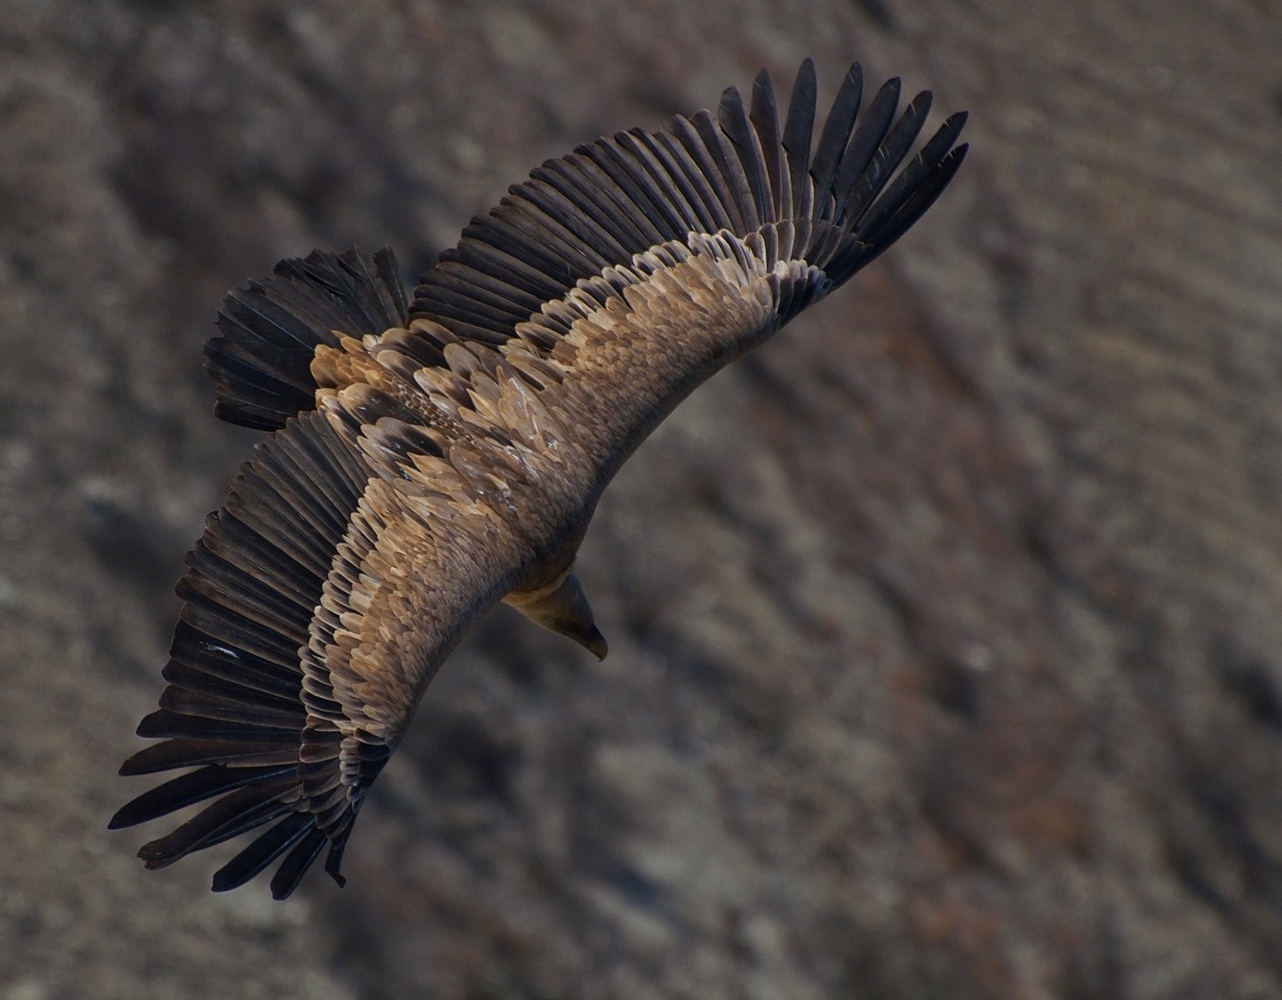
x=944 y=630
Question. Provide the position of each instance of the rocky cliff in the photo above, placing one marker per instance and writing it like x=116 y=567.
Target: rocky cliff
x=945 y=630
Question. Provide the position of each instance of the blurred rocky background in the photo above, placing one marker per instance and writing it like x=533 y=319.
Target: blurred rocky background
x=946 y=630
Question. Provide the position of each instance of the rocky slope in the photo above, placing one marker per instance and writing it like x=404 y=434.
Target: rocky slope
x=945 y=629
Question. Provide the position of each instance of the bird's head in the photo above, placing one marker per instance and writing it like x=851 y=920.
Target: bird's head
x=562 y=607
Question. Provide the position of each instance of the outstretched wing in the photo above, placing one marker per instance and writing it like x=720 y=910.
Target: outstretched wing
x=339 y=573
x=640 y=264
x=429 y=459
x=810 y=218
x=740 y=172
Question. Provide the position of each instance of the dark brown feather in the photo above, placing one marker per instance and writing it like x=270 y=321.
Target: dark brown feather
x=834 y=138
x=765 y=122
x=732 y=117
x=798 y=134
x=260 y=363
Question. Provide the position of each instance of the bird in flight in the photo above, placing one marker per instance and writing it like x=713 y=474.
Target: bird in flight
x=430 y=456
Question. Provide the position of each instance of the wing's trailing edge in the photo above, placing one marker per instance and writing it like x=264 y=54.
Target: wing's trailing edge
x=233 y=708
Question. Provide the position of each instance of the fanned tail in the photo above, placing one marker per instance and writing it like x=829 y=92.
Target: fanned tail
x=261 y=365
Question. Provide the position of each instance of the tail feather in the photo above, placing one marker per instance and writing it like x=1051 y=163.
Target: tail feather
x=261 y=364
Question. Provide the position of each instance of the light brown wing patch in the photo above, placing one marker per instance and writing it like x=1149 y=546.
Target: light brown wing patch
x=631 y=344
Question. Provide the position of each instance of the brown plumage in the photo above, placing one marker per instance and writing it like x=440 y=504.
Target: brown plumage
x=429 y=458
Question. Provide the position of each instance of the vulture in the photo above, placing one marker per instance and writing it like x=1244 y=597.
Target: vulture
x=430 y=454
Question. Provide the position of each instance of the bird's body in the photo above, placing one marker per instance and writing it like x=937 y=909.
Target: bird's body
x=430 y=458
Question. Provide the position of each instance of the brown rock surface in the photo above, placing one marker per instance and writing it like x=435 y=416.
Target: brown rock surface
x=945 y=629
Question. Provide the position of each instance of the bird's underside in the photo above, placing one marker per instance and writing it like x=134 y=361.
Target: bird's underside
x=428 y=458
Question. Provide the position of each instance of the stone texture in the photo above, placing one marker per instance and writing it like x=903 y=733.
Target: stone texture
x=944 y=629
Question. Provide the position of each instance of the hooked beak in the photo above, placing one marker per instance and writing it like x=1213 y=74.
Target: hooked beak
x=594 y=642
x=563 y=608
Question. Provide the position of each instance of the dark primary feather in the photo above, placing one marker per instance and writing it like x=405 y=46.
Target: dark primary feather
x=255 y=712
x=870 y=156
x=765 y=121
x=741 y=171
x=603 y=203
x=835 y=135
x=923 y=179
x=798 y=133
x=235 y=813
x=233 y=706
